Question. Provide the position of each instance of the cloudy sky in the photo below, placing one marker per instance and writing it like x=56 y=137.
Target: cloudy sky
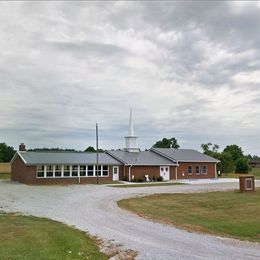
x=189 y=70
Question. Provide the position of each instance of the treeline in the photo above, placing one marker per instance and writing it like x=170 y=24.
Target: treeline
x=44 y=149
x=232 y=158
x=6 y=152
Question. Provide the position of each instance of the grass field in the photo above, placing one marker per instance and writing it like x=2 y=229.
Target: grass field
x=231 y=214
x=146 y=185
x=5 y=176
x=26 y=237
x=5 y=167
x=255 y=171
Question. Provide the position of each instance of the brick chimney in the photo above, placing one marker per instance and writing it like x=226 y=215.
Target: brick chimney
x=22 y=147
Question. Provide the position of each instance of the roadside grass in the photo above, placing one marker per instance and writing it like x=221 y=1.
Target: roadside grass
x=255 y=172
x=146 y=185
x=231 y=214
x=5 y=176
x=27 y=237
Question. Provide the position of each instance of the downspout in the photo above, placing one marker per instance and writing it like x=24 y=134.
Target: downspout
x=176 y=173
x=216 y=171
x=129 y=172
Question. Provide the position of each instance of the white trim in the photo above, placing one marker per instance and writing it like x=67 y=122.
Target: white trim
x=15 y=156
x=117 y=173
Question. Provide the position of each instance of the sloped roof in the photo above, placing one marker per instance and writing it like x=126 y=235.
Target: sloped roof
x=34 y=158
x=184 y=155
x=140 y=158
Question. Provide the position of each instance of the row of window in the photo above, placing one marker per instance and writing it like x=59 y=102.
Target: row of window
x=198 y=170
x=52 y=171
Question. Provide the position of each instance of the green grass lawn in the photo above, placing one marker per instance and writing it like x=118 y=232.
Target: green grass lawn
x=26 y=237
x=230 y=214
x=255 y=171
x=5 y=176
x=146 y=184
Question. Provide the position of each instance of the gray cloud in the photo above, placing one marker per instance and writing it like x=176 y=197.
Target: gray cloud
x=189 y=70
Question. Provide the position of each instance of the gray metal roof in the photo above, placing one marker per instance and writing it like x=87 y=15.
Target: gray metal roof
x=184 y=155
x=34 y=158
x=140 y=158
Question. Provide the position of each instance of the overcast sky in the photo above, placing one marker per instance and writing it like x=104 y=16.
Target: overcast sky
x=189 y=70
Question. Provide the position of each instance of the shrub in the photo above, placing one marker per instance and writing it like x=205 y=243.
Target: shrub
x=160 y=178
x=242 y=165
x=140 y=180
x=124 y=178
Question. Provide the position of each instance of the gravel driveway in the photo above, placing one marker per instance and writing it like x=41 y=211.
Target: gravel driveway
x=93 y=208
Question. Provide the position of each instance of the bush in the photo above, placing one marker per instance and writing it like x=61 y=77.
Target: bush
x=124 y=178
x=140 y=180
x=242 y=165
x=160 y=178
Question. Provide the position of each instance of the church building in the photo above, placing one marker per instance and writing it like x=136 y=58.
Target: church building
x=129 y=164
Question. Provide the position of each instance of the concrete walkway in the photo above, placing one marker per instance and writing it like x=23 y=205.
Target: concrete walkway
x=93 y=208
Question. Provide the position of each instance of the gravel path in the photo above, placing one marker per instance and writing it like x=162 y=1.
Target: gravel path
x=93 y=208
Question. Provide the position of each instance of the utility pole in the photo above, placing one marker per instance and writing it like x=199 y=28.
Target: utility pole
x=97 y=166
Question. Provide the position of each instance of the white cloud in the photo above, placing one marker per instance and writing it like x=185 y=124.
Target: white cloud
x=186 y=73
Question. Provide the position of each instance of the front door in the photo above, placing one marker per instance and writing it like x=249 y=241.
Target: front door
x=165 y=173
x=115 y=173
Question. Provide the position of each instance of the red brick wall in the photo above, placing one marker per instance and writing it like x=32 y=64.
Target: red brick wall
x=140 y=171
x=183 y=170
x=22 y=173
x=27 y=174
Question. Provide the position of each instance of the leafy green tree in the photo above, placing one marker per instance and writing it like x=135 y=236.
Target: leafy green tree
x=242 y=165
x=167 y=143
x=226 y=163
x=6 y=152
x=235 y=151
x=210 y=149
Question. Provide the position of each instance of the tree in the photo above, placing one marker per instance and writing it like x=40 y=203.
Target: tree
x=242 y=165
x=235 y=151
x=167 y=143
x=226 y=163
x=91 y=149
x=210 y=149
x=6 y=152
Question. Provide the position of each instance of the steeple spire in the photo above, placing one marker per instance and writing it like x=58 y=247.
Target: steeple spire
x=131 y=138
x=131 y=126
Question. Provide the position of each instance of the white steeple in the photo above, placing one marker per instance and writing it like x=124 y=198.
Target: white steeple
x=131 y=139
x=131 y=126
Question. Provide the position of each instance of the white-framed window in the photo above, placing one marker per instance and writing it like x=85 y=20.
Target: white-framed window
x=91 y=170
x=82 y=171
x=66 y=170
x=197 y=170
x=190 y=169
x=99 y=170
x=74 y=172
x=105 y=170
x=57 y=170
x=204 y=169
x=40 y=171
x=49 y=171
